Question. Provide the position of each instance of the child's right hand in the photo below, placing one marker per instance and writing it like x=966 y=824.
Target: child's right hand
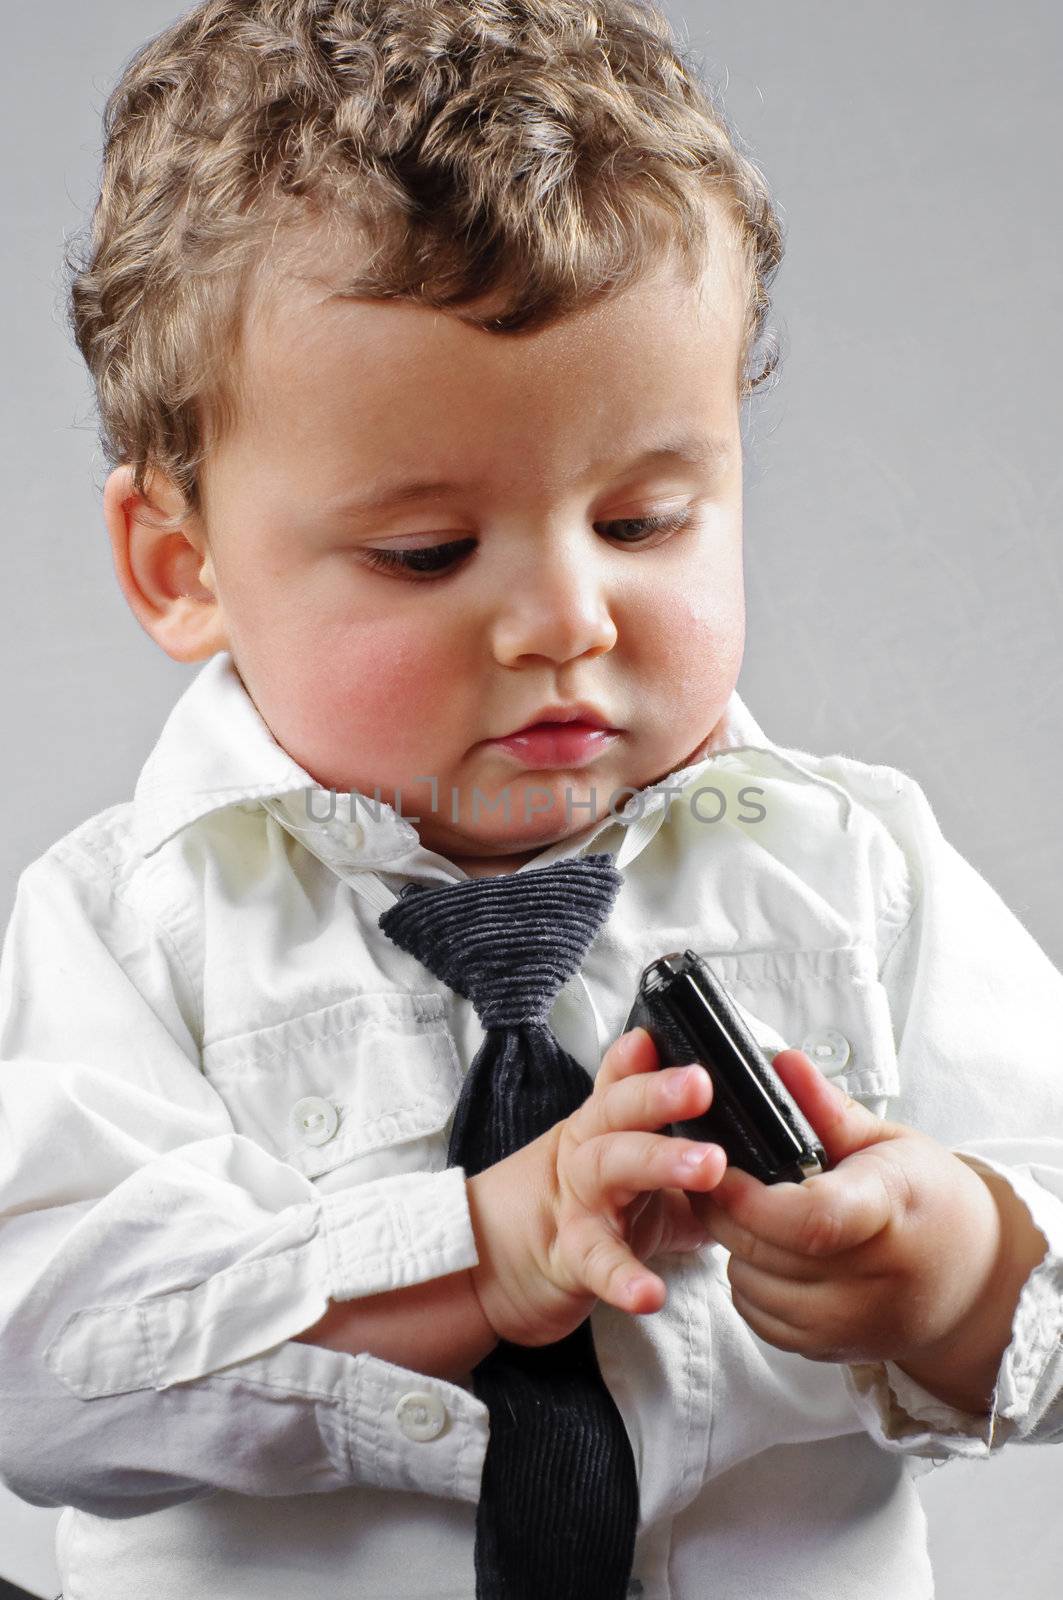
x=568 y=1219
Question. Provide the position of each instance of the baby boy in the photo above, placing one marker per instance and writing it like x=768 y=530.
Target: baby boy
x=421 y=335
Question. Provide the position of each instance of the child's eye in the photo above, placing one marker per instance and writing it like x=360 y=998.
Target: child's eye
x=429 y=559
x=646 y=527
x=439 y=559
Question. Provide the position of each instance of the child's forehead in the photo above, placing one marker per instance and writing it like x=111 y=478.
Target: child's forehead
x=300 y=317
x=345 y=391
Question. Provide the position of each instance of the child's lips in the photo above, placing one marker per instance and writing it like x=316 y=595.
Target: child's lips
x=557 y=744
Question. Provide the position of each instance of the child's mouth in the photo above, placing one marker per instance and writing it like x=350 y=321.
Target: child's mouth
x=557 y=744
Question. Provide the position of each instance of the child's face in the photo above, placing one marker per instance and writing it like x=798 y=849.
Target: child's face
x=371 y=676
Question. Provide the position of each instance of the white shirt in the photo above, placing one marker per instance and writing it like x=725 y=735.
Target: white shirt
x=226 y=1098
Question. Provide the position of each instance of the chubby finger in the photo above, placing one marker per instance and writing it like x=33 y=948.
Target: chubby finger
x=652 y=1100
x=631 y=1052
x=615 y=1167
x=791 y=1304
x=832 y=1212
x=774 y=1330
x=745 y=1247
x=604 y=1264
x=841 y=1123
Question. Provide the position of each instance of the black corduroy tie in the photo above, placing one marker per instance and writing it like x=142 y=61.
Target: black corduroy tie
x=558 y=1509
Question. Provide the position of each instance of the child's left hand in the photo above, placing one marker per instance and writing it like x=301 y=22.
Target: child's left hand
x=882 y=1257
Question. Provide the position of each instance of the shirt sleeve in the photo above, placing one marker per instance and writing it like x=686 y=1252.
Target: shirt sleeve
x=155 y=1265
x=976 y=1005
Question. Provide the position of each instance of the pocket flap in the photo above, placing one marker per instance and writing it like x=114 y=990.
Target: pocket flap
x=364 y=1074
x=828 y=1003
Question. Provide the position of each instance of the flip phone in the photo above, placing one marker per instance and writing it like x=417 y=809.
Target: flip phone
x=691 y=1017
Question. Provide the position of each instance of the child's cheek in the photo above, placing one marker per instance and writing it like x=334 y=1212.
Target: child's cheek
x=381 y=662
x=702 y=636
x=386 y=686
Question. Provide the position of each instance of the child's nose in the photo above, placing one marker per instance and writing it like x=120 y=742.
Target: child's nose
x=555 y=609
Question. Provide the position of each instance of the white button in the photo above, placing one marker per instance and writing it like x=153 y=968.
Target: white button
x=421 y=1415
x=828 y=1049
x=315 y=1120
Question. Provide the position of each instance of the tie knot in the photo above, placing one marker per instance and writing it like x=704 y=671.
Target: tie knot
x=511 y=942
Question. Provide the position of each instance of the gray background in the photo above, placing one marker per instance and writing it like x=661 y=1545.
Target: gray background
x=903 y=483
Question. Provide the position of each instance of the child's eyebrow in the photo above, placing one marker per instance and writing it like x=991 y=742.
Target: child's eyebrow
x=692 y=451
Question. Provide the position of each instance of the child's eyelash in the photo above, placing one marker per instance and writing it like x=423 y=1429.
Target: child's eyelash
x=432 y=558
x=440 y=558
x=669 y=522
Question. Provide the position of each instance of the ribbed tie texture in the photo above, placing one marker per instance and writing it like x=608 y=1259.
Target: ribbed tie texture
x=558 y=1508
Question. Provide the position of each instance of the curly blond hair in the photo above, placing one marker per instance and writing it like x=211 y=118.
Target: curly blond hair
x=544 y=150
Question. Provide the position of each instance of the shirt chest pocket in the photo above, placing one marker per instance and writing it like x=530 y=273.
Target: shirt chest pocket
x=361 y=1088
x=828 y=1003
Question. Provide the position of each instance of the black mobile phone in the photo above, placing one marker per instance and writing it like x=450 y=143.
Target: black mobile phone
x=691 y=1017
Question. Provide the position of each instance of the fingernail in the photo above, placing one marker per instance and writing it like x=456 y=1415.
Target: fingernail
x=693 y=1160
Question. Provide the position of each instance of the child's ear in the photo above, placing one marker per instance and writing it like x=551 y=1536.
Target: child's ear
x=163 y=566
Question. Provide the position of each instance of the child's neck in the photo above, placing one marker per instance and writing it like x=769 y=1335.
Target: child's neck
x=492 y=866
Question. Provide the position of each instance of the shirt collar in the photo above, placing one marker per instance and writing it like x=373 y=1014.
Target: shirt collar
x=216 y=751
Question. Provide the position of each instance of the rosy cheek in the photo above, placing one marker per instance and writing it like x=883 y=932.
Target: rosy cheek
x=700 y=650
x=386 y=684
x=395 y=664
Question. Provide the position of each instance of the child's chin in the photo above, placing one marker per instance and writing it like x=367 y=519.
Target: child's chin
x=546 y=806
x=506 y=849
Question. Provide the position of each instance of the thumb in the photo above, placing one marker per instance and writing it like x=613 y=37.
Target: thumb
x=841 y=1123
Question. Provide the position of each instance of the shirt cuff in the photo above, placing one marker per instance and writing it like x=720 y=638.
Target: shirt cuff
x=402 y=1229
x=905 y=1418
x=397 y=1231
x=380 y=1424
